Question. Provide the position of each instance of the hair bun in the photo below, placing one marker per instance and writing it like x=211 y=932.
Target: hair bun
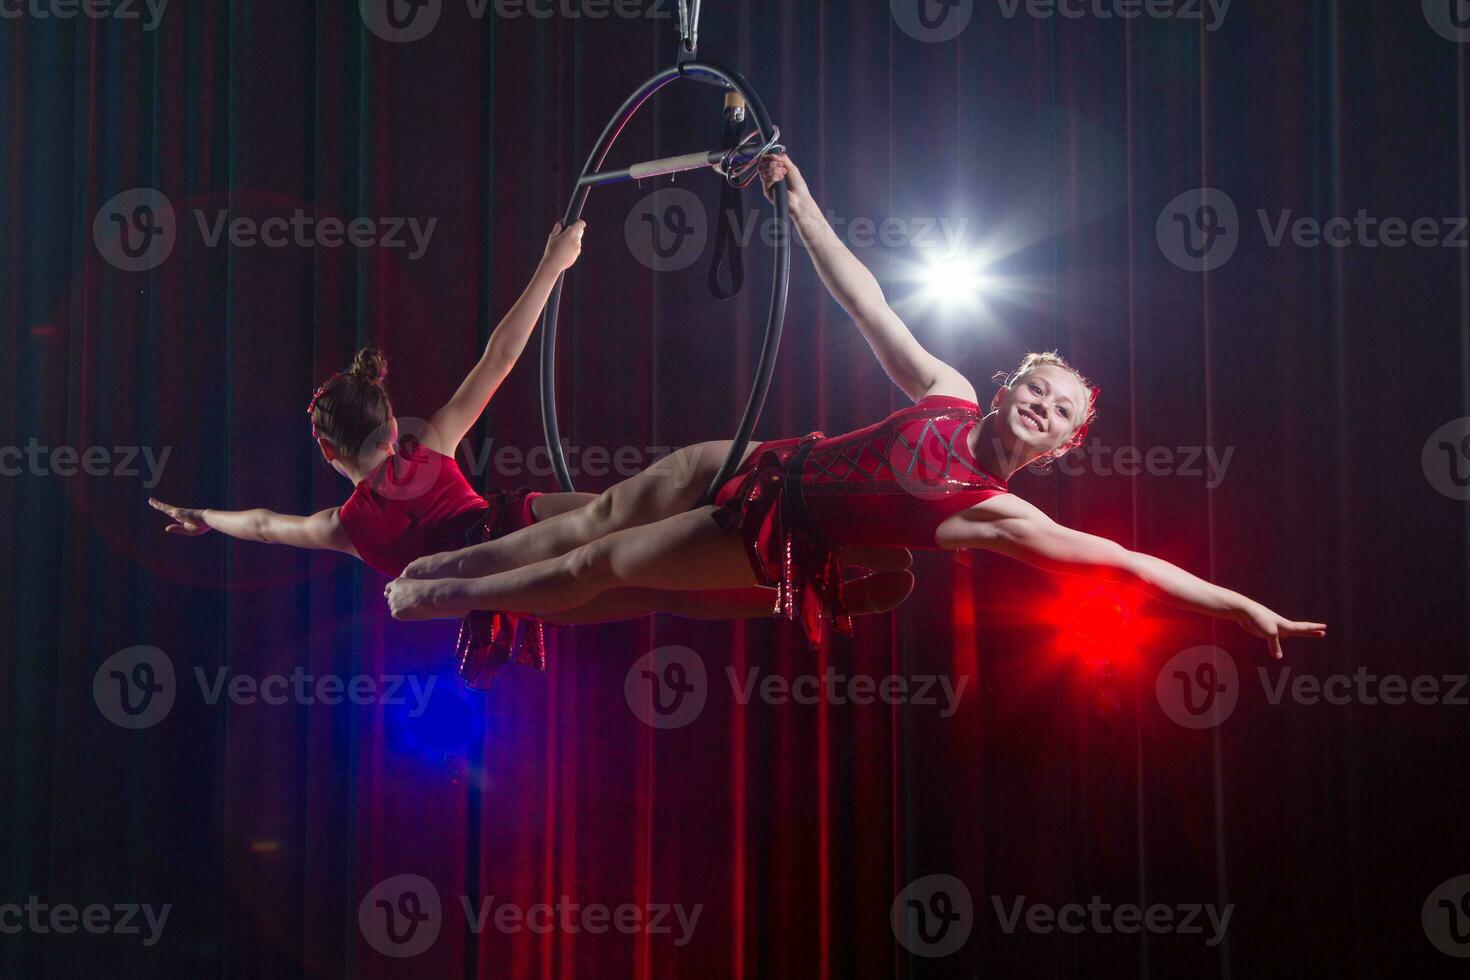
x=369 y=365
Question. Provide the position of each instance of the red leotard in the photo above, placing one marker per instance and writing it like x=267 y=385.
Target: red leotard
x=414 y=503
x=417 y=503
x=796 y=502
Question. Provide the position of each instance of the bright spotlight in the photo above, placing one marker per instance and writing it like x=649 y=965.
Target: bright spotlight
x=955 y=283
x=970 y=282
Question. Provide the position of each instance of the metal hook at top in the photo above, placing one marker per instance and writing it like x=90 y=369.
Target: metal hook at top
x=688 y=29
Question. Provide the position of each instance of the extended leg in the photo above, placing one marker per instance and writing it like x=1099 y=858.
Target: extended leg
x=687 y=552
x=670 y=486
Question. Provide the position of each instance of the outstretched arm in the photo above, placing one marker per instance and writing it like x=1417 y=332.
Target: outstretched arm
x=1010 y=526
x=321 y=531
x=449 y=425
x=907 y=363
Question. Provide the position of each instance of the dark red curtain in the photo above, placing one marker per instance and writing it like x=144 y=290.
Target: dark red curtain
x=790 y=829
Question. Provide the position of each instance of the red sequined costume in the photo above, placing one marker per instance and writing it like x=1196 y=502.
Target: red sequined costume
x=417 y=503
x=795 y=502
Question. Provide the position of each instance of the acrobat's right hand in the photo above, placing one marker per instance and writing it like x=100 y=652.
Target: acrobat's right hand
x=185 y=520
x=777 y=167
x=564 y=246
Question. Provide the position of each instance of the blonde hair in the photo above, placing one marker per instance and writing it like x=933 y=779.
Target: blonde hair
x=1084 y=419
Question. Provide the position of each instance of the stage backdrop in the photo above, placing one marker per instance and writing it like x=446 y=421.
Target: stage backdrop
x=208 y=207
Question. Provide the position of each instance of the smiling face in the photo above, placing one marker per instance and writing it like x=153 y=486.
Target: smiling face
x=1039 y=413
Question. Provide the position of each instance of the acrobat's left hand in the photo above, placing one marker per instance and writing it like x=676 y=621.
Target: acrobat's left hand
x=411 y=600
x=1259 y=621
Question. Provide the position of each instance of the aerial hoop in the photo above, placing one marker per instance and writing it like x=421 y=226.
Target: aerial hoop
x=739 y=167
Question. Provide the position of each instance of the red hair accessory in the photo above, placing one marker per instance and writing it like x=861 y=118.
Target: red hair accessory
x=311 y=408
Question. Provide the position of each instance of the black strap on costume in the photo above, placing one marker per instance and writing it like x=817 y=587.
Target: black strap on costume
x=730 y=223
x=792 y=498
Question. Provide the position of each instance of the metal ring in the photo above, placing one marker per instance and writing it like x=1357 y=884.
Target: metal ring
x=712 y=74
